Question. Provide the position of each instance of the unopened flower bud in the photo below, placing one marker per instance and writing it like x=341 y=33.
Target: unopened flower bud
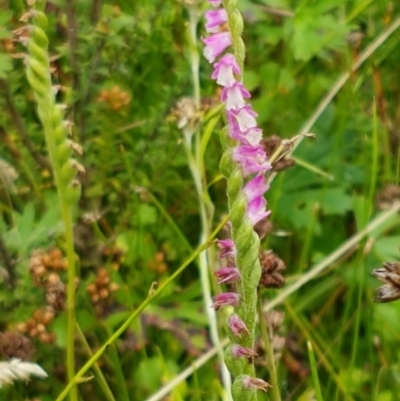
x=237 y=326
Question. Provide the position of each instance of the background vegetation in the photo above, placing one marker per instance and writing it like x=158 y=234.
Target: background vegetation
x=122 y=67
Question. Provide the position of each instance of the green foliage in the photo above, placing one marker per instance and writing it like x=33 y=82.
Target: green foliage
x=122 y=67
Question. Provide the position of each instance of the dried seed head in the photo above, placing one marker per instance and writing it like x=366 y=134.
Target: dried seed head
x=100 y=290
x=187 y=115
x=15 y=345
x=387 y=196
x=272 y=268
x=8 y=175
x=389 y=273
x=271 y=145
x=355 y=38
x=263 y=227
x=274 y=319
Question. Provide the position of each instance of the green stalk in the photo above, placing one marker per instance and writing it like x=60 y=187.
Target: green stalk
x=64 y=168
x=314 y=371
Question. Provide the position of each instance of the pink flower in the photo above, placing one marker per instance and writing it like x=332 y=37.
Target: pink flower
x=226 y=248
x=234 y=96
x=256 y=187
x=254 y=382
x=228 y=275
x=252 y=136
x=252 y=159
x=225 y=69
x=216 y=44
x=215 y=3
x=242 y=352
x=256 y=209
x=237 y=326
x=244 y=118
x=226 y=299
x=215 y=18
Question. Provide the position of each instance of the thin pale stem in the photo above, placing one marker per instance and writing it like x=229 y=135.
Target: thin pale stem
x=196 y=165
x=204 y=263
x=273 y=375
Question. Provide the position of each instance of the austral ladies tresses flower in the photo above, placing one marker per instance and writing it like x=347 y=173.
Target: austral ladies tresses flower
x=253 y=382
x=256 y=209
x=226 y=248
x=215 y=3
x=243 y=118
x=216 y=44
x=251 y=158
x=229 y=275
x=215 y=18
x=234 y=96
x=225 y=70
x=237 y=325
x=255 y=187
x=242 y=352
x=226 y=299
x=251 y=137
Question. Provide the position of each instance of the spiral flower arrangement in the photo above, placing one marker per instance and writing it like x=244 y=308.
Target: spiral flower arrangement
x=60 y=149
x=244 y=164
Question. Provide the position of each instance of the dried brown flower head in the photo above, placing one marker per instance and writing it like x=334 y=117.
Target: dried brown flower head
x=271 y=145
x=263 y=227
x=387 y=196
x=272 y=268
x=15 y=345
x=389 y=273
x=8 y=176
x=187 y=115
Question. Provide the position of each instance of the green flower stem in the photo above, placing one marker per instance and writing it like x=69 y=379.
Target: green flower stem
x=205 y=260
x=50 y=115
x=78 y=378
x=245 y=238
